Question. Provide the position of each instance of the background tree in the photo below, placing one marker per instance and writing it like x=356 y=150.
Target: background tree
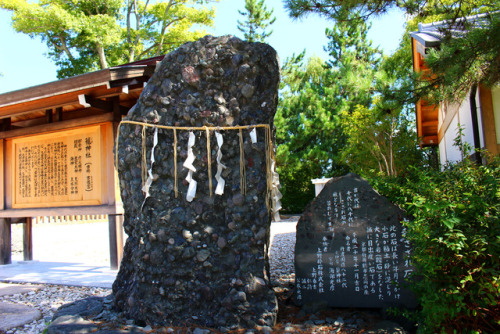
x=461 y=63
x=88 y=35
x=307 y=130
x=381 y=141
x=257 y=19
x=335 y=9
x=379 y=131
x=314 y=97
x=353 y=61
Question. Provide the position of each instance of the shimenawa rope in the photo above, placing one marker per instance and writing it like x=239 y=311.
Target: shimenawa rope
x=207 y=129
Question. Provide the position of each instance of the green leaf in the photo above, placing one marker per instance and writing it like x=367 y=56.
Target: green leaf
x=451 y=222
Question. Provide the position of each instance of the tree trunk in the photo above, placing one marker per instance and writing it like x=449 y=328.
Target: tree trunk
x=102 y=56
x=391 y=150
x=64 y=48
x=163 y=29
x=129 y=12
x=388 y=171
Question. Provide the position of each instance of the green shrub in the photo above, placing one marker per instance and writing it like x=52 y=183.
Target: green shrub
x=297 y=193
x=456 y=243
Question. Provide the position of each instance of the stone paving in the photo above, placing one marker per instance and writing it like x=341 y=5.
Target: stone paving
x=12 y=289
x=14 y=315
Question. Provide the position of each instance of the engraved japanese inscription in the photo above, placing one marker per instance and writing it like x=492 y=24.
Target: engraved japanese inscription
x=62 y=168
x=351 y=249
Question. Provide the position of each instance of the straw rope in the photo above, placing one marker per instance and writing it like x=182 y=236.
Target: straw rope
x=243 y=174
x=207 y=129
x=196 y=128
x=144 y=173
x=176 y=191
x=269 y=172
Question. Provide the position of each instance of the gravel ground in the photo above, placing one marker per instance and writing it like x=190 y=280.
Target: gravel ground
x=282 y=250
x=88 y=243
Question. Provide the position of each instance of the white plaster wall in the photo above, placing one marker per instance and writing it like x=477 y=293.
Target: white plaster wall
x=465 y=120
x=448 y=152
x=495 y=95
x=452 y=152
x=442 y=151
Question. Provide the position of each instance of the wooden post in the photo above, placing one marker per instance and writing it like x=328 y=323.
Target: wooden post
x=116 y=220
x=28 y=239
x=5 y=241
x=59 y=114
x=49 y=116
x=115 y=224
x=6 y=124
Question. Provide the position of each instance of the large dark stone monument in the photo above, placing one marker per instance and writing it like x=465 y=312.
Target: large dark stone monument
x=197 y=212
x=350 y=249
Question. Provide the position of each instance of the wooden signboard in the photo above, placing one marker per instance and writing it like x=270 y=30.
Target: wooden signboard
x=63 y=168
x=56 y=150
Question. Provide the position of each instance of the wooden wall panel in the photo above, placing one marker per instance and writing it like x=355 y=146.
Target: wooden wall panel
x=2 y=176
x=488 y=120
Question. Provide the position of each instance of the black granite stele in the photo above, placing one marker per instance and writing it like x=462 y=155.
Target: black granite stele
x=202 y=262
x=350 y=249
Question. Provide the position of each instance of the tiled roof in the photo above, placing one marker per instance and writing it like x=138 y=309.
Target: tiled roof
x=431 y=34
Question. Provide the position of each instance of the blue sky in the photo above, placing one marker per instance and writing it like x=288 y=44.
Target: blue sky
x=23 y=62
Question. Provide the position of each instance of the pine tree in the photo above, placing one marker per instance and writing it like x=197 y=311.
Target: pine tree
x=332 y=119
x=257 y=19
x=308 y=135
x=353 y=60
x=462 y=62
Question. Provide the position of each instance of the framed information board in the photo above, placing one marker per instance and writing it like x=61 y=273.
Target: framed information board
x=63 y=168
x=56 y=151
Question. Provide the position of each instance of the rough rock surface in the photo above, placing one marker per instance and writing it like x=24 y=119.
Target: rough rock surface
x=205 y=261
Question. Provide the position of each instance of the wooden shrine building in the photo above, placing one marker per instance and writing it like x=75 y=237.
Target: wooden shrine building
x=56 y=151
x=478 y=114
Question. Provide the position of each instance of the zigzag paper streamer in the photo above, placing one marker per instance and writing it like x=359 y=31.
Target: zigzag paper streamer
x=219 y=190
x=253 y=136
x=149 y=181
x=191 y=192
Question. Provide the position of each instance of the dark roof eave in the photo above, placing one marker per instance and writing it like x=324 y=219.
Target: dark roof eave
x=426 y=39
x=431 y=35
x=72 y=84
